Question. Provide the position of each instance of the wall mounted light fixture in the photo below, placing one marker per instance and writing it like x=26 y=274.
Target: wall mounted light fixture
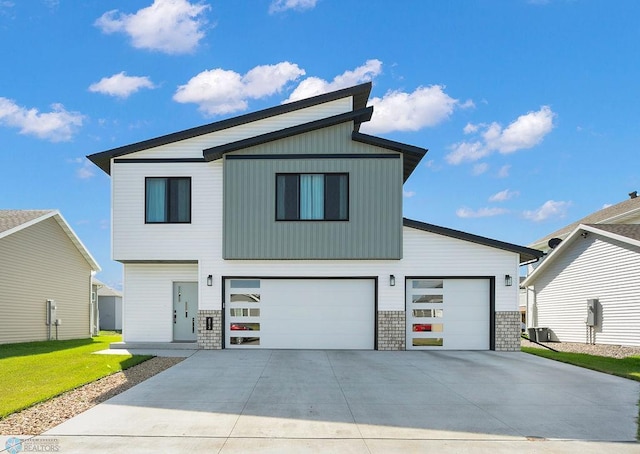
x=209 y=280
x=392 y=280
x=508 y=281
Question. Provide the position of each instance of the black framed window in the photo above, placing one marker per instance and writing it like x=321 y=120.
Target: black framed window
x=312 y=196
x=168 y=200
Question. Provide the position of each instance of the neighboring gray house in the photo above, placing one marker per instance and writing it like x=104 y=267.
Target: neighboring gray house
x=283 y=228
x=110 y=306
x=45 y=278
x=596 y=268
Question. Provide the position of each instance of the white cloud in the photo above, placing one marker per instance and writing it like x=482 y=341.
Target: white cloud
x=470 y=128
x=278 y=6
x=121 y=85
x=86 y=171
x=551 y=208
x=504 y=171
x=479 y=169
x=400 y=111
x=525 y=132
x=466 y=151
x=220 y=91
x=170 y=26
x=57 y=126
x=313 y=86
x=408 y=194
x=480 y=213
x=503 y=195
x=606 y=205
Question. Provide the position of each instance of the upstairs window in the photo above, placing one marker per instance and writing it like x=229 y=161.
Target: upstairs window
x=168 y=200
x=312 y=196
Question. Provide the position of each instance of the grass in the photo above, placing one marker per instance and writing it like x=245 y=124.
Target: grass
x=626 y=367
x=33 y=372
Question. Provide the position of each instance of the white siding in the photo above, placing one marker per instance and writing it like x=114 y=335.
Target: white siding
x=148 y=299
x=193 y=147
x=595 y=267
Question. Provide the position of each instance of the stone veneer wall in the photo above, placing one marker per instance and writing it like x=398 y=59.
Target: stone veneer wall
x=508 y=331
x=391 y=330
x=210 y=340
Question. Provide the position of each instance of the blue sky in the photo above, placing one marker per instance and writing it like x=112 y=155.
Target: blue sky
x=529 y=108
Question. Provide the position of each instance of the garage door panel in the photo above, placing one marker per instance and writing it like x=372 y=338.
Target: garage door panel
x=312 y=314
x=464 y=314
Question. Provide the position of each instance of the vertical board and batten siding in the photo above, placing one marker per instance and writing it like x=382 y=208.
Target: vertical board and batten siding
x=374 y=228
x=193 y=147
x=593 y=267
x=37 y=263
x=148 y=299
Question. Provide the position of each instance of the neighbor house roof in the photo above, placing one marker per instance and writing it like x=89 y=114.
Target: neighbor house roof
x=526 y=254
x=360 y=113
x=625 y=233
x=613 y=214
x=105 y=290
x=12 y=221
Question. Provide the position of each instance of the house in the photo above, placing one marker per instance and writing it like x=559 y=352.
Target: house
x=283 y=228
x=586 y=289
x=110 y=307
x=45 y=278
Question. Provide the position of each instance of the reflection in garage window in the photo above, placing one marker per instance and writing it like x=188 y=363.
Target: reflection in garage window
x=439 y=313
x=244 y=283
x=427 y=283
x=427 y=327
x=427 y=298
x=245 y=298
x=427 y=342
x=244 y=312
x=245 y=340
x=244 y=326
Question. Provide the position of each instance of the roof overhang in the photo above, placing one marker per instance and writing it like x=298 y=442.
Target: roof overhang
x=525 y=254
x=359 y=93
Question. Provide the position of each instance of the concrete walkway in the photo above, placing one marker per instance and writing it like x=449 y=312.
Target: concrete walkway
x=238 y=401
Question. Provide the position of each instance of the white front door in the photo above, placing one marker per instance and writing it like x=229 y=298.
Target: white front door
x=300 y=313
x=185 y=311
x=448 y=314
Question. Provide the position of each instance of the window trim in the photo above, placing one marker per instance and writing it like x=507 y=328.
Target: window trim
x=324 y=197
x=167 y=178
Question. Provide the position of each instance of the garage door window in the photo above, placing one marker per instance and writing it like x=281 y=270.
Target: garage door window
x=244 y=312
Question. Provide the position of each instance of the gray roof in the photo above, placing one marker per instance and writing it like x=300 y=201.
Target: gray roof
x=526 y=254
x=627 y=230
x=10 y=219
x=614 y=211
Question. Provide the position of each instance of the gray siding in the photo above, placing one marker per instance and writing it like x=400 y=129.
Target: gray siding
x=38 y=263
x=374 y=228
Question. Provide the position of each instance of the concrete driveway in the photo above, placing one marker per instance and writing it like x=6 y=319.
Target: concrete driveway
x=237 y=401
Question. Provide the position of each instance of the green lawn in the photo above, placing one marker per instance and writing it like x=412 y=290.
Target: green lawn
x=36 y=371
x=626 y=367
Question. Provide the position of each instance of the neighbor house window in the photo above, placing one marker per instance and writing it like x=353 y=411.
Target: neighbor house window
x=168 y=200
x=312 y=196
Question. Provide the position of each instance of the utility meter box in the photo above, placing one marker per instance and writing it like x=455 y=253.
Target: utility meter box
x=592 y=312
x=51 y=312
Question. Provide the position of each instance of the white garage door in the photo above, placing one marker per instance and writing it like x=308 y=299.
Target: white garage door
x=448 y=314
x=300 y=313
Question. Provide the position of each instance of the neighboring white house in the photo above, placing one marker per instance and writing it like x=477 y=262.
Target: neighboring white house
x=588 y=288
x=45 y=278
x=110 y=307
x=283 y=228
